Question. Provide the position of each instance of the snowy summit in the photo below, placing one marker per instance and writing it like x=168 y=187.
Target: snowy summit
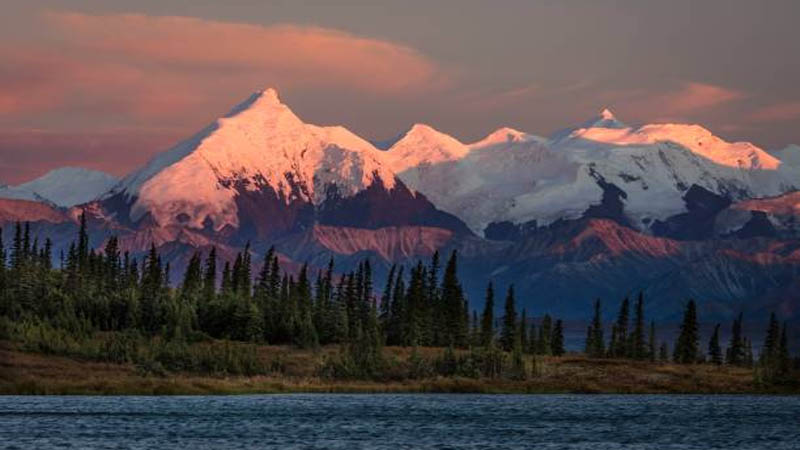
x=64 y=187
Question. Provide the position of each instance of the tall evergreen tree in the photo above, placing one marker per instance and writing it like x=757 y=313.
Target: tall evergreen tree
x=509 y=330
x=651 y=347
x=557 y=340
x=736 y=347
x=83 y=243
x=637 y=348
x=784 y=359
x=714 y=349
x=487 y=318
x=769 y=352
x=686 y=348
x=210 y=275
x=386 y=299
x=595 y=343
x=621 y=342
x=452 y=300
x=544 y=345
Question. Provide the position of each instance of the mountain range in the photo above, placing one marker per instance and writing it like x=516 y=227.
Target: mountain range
x=602 y=209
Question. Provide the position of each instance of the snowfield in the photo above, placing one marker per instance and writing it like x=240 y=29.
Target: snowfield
x=261 y=145
x=64 y=187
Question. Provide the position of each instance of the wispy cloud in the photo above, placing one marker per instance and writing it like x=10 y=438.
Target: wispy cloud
x=163 y=65
x=692 y=97
x=778 y=112
x=685 y=101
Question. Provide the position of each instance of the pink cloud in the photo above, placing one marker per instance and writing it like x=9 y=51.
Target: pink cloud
x=693 y=96
x=300 y=54
x=777 y=113
x=686 y=101
x=143 y=67
x=27 y=154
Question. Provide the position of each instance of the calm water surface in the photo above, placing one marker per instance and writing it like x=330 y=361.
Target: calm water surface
x=401 y=421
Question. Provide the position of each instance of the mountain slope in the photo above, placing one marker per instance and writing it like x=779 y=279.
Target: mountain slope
x=64 y=187
x=511 y=177
x=260 y=145
x=258 y=174
x=789 y=155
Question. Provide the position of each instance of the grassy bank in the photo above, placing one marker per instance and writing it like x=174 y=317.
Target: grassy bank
x=295 y=370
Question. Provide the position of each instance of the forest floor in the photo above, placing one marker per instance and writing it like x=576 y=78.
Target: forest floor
x=31 y=373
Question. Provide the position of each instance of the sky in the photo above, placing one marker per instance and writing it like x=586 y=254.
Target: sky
x=107 y=84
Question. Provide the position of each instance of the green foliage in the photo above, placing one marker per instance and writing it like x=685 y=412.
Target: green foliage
x=714 y=349
x=774 y=362
x=595 y=343
x=509 y=332
x=686 y=348
x=557 y=340
x=487 y=318
x=637 y=346
x=736 y=353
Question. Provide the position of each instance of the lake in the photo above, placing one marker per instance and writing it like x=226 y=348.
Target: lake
x=309 y=421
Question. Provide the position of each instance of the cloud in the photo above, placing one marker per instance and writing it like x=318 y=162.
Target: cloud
x=688 y=100
x=685 y=101
x=693 y=97
x=778 y=112
x=27 y=154
x=161 y=66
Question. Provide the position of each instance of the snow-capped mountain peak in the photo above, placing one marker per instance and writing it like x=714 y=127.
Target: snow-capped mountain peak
x=505 y=135
x=424 y=145
x=260 y=144
x=694 y=138
x=606 y=120
x=64 y=187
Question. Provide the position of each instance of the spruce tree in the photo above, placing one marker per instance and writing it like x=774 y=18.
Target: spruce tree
x=434 y=309
x=613 y=342
x=557 y=340
x=595 y=342
x=398 y=316
x=769 y=351
x=736 y=349
x=637 y=349
x=651 y=352
x=487 y=318
x=83 y=244
x=621 y=342
x=452 y=301
x=17 y=249
x=784 y=360
x=714 y=349
x=210 y=275
x=544 y=344
x=686 y=350
x=386 y=300
x=509 y=330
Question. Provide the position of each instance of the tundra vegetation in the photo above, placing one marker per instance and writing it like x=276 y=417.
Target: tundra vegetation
x=104 y=322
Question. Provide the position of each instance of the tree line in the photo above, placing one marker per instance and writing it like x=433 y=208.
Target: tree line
x=421 y=305
x=110 y=290
x=628 y=341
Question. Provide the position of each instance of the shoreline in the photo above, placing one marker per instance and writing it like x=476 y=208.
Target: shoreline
x=26 y=373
